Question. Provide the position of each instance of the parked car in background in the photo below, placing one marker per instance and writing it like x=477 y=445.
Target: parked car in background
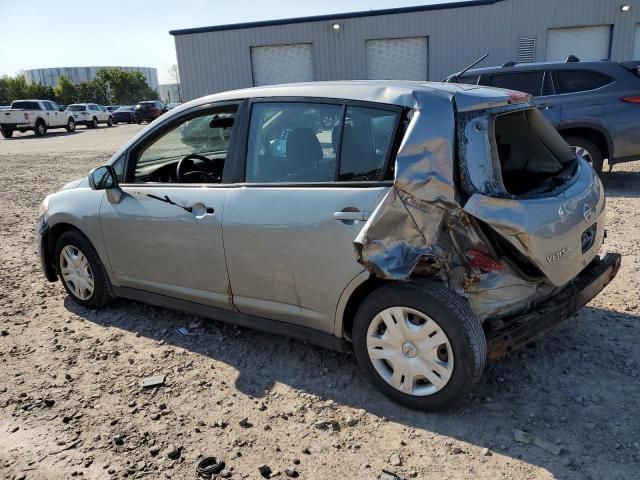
x=173 y=105
x=398 y=219
x=124 y=115
x=148 y=111
x=111 y=108
x=90 y=114
x=594 y=105
x=36 y=115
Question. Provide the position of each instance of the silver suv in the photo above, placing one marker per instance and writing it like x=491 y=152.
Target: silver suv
x=427 y=226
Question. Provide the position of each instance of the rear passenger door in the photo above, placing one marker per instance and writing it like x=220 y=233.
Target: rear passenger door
x=314 y=170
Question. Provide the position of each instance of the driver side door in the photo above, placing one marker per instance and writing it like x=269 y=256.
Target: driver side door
x=165 y=235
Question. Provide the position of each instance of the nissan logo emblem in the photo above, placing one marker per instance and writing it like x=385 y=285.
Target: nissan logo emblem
x=586 y=212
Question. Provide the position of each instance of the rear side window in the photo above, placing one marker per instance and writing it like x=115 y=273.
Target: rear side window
x=528 y=82
x=571 y=81
x=305 y=142
x=469 y=79
x=293 y=142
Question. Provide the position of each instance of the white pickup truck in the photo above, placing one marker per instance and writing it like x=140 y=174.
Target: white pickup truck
x=36 y=115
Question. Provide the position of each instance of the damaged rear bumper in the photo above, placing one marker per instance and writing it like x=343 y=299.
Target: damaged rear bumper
x=507 y=335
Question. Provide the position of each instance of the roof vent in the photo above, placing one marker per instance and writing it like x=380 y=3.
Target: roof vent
x=572 y=59
x=526 y=49
x=510 y=63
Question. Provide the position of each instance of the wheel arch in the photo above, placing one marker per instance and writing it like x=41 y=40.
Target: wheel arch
x=351 y=298
x=592 y=132
x=50 y=237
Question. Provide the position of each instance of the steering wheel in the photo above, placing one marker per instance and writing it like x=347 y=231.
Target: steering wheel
x=194 y=176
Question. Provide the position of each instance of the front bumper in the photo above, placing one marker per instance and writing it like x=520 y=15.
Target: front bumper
x=505 y=336
x=43 y=235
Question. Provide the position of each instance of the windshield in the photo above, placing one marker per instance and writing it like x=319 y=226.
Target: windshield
x=76 y=108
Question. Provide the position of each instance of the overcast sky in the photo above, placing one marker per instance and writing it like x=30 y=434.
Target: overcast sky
x=62 y=33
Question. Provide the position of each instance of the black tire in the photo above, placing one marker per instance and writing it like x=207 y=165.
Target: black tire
x=453 y=316
x=597 y=157
x=138 y=122
x=101 y=295
x=6 y=133
x=71 y=125
x=94 y=123
x=40 y=128
x=110 y=122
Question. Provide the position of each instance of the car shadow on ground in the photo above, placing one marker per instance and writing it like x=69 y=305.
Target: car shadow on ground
x=621 y=183
x=576 y=387
x=31 y=136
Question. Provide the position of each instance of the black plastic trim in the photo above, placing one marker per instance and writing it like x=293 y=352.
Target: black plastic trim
x=325 y=340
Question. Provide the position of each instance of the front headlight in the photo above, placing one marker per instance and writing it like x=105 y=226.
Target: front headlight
x=44 y=206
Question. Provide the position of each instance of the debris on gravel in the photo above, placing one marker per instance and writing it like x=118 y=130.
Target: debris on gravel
x=73 y=401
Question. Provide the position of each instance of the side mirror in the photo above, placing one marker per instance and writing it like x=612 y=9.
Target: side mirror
x=105 y=178
x=61 y=109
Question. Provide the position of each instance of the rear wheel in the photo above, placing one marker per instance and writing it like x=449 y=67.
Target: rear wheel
x=420 y=344
x=40 y=128
x=587 y=150
x=6 y=133
x=81 y=271
x=71 y=125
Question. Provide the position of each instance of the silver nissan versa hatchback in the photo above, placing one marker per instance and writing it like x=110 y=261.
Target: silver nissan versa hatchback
x=426 y=226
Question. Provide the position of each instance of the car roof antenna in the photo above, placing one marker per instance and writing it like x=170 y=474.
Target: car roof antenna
x=572 y=59
x=510 y=63
x=464 y=70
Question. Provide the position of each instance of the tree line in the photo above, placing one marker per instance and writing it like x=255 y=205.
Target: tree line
x=110 y=86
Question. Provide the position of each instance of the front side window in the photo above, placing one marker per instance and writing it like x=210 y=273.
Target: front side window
x=292 y=142
x=194 y=151
x=528 y=82
x=571 y=81
x=49 y=106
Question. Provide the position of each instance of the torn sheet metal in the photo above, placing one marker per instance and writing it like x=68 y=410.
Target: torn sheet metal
x=406 y=225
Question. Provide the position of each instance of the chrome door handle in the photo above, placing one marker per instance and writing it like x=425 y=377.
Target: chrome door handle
x=350 y=216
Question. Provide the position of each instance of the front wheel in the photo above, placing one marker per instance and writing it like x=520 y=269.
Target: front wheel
x=587 y=150
x=71 y=125
x=420 y=344
x=110 y=122
x=81 y=271
x=6 y=133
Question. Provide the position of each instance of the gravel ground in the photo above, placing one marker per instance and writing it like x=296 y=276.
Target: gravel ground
x=71 y=403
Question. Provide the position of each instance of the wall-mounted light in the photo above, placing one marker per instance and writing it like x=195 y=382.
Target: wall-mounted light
x=625 y=8
x=336 y=27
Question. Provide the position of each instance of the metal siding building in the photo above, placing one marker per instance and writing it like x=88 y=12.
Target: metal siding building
x=49 y=76
x=441 y=39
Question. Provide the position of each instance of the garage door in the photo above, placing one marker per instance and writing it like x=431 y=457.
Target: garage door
x=636 y=44
x=397 y=58
x=282 y=64
x=586 y=43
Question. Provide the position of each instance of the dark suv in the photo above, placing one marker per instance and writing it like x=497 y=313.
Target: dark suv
x=594 y=105
x=148 y=110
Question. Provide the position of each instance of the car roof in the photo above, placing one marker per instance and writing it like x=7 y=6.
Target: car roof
x=392 y=92
x=540 y=66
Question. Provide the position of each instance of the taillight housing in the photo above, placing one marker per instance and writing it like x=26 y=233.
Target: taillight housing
x=632 y=99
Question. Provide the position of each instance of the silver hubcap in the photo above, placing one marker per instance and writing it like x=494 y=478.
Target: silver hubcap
x=410 y=351
x=583 y=152
x=76 y=272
